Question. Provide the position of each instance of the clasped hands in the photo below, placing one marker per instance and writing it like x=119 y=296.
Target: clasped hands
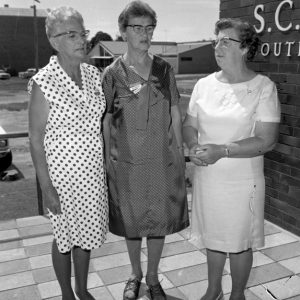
x=204 y=155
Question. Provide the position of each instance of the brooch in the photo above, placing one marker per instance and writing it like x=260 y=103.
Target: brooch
x=97 y=92
x=135 y=87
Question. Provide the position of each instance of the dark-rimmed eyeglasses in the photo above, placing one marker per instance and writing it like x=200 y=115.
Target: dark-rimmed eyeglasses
x=140 y=29
x=74 y=35
x=224 y=42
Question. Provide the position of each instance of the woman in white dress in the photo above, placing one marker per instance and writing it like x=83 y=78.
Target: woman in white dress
x=65 y=113
x=231 y=121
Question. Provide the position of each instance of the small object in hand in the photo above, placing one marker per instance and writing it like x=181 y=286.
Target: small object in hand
x=198 y=151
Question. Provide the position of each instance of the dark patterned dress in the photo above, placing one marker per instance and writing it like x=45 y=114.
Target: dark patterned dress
x=74 y=152
x=147 y=195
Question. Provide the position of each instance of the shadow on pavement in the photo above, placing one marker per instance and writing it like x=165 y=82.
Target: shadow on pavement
x=18 y=195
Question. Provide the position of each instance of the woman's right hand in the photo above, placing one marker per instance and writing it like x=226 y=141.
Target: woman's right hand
x=51 y=200
x=193 y=155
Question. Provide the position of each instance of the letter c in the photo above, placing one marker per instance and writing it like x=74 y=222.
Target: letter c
x=290 y=2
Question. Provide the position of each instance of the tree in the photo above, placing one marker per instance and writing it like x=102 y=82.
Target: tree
x=119 y=38
x=99 y=36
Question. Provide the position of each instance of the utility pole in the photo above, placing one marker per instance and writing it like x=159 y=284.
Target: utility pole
x=35 y=39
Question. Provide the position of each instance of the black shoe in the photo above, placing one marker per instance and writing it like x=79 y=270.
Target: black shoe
x=156 y=292
x=133 y=285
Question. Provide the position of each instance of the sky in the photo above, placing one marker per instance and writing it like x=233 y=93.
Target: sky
x=177 y=20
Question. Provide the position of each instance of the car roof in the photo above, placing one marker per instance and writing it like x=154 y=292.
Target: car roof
x=2 y=131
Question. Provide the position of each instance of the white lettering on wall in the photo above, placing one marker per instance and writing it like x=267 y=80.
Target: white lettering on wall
x=277 y=47
x=289 y=47
x=259 y=18
x=277 y=13
x=277 y=50
x=265 y=49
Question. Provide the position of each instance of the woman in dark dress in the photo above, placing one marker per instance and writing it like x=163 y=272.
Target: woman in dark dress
x=143 y=148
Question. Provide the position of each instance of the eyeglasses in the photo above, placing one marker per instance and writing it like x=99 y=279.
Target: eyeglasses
x=74 y=35
x=224 y=42
x=140 y=29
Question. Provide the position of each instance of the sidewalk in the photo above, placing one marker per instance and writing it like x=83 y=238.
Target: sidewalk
x=26 y=271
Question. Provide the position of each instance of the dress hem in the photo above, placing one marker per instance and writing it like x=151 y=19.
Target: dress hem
x=232 y=248
x=163 y=232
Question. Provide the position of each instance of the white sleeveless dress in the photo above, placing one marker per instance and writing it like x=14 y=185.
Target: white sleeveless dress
x=74 y=152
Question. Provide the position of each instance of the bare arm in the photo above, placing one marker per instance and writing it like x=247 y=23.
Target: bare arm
x=264 y=140
x=106 y=135
x=38 y=115
x=190 y=137
x=190 y=131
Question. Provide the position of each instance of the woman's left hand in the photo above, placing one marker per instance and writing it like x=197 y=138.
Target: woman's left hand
x=210 y=153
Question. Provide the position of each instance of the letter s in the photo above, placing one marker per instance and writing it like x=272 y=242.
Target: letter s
x=259 y=18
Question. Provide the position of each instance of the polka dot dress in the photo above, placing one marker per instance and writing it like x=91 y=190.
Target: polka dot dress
x=74 y=151
x=147 y=193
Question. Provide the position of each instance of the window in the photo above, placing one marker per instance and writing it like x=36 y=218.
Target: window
x=186 y=58
x=103 y=52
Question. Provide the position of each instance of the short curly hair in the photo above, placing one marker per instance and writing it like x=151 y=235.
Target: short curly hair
x=136 y=9
x=60 y=15
x=246 y=32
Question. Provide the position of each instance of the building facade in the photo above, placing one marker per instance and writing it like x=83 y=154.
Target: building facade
x=17 y=47
x=278 y=24
x=105 y=52
x=185 y=58
x=198 y=59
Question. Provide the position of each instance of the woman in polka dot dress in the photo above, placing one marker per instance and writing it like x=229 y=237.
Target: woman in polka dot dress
x=143 y=142
x=65 y=113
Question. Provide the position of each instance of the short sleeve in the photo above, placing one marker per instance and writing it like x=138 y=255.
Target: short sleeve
x=108 y=89
x=268 y=109
x=192 y=108
x=173 y=88
x=38 y=79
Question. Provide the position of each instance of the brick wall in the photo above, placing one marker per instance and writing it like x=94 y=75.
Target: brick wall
x=17 y=46
x=282 y=166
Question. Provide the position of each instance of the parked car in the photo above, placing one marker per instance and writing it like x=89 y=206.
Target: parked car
x=4 y=75
x=5 y=152
x=28 y=73
x=10 y=70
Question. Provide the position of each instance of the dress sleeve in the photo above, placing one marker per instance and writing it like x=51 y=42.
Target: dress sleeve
x=173 y=88
x=192 y=108
x=268 y=109
x=108 y=89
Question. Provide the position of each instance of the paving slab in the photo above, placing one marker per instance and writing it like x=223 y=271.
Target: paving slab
x=26 y=270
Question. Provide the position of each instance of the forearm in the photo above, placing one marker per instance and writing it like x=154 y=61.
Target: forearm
x=40 y=164
x=190 y=136
x=106 y=136
x=178 y=133
x=250 y=147
x=106 y=145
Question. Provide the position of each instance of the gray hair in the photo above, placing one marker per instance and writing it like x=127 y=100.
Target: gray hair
x=60 y=15
x=246 y=32
x=135 y=9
